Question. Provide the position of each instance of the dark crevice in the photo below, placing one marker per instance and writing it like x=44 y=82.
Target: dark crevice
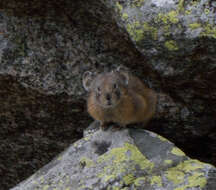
x=34 y=128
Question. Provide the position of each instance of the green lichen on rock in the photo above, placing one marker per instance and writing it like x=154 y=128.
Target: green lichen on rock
x=189 y=173
x=177 y=152
x=135 y=30
x=172 y=17
x=125 y=16
x=180 y=6
x=188 y=12
x=124 y=166
x=196 y=180
x=166 y=30
x=209 y=31
x=156 y=180
x=139 y=181
x=171 y=45
x=119 y=6
x=150 y=30
x=175 y=176
x=168 y=18
x=119 y=155
x=194 y=25
x=122 y=157
x=167 y=162
x=138 y=31
x=138 y=3
x=128 y=179
x=206 y=11
x=190 y=165
x=162 y=138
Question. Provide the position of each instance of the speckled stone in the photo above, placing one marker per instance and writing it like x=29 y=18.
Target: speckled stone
x=133 y=159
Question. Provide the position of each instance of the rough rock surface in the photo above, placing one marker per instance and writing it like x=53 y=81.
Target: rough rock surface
x=45 y=46
x=126 y=159
x=178 y=39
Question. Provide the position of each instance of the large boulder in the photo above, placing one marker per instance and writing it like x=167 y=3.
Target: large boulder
x=45 y=46
x=178 y=37
x=128 y=159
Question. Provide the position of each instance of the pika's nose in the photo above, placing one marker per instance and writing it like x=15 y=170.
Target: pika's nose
x=108 y=97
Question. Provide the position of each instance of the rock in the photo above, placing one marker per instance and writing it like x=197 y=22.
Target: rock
x=127 y=159
x=45 y=46
x=178 y=39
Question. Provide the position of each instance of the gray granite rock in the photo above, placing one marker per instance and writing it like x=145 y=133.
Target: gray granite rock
x=178 y=38
x=127 y=159
x=45 y=46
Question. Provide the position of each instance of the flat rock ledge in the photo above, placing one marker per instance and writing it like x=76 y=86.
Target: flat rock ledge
x=129 y=159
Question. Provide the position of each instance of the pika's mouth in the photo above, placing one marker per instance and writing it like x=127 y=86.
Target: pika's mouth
x=110 y=104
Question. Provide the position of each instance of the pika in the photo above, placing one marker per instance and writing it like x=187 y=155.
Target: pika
x=118 y=97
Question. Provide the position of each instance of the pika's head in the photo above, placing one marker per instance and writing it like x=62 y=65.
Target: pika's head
x=107 y=88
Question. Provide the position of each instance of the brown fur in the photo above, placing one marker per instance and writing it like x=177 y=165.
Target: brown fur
x=136 y=102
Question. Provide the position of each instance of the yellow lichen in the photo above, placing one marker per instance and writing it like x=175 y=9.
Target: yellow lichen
x=138 y=31
x=110 y=177
x=150 y=30
x=206 y=11
x=209 y=31
x=190 y=165
x=139 y=181
x=171 y=45
x=138 y=35
x=116 y=188
x=188 y=12
x=41 y=179
x=134 y=29
x=46 y=187
x=168 y=162
x=175 y=176
x=120 y=157
x=138 y=3
x=194 y=3
x=188 y=172
x=180 y=6
x=162 y=138
x=87 y=138
x=119 y=6
x=195 y=180
x=194 y=25
x=177 y=152
x=156 y=180
x=128 y=179
x=180 y=188
x=166 y=29
x=170 y=17
x=125 y=16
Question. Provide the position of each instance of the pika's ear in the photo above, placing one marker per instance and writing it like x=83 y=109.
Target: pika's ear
x=124 y=73
x=87 y=80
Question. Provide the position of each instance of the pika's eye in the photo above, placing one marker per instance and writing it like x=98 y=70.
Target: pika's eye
x=115 y=86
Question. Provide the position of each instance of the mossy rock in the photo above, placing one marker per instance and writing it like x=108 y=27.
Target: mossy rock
x=126 y=159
